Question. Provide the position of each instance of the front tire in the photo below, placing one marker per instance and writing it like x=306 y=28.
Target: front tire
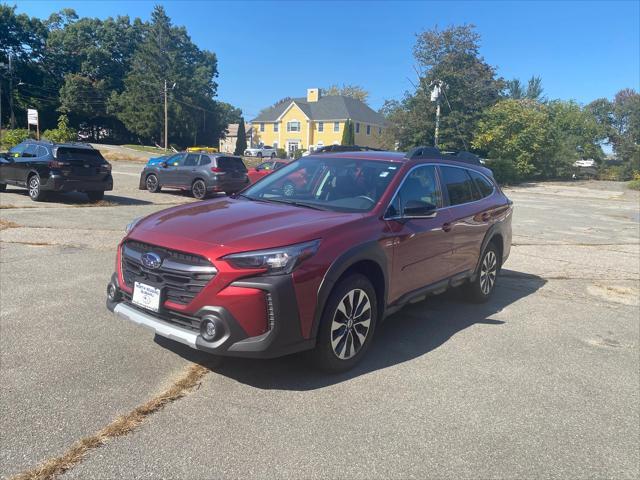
x=35 y=188
x=3 y=187
x=347 y=325
x=199 y=189
x=95 y=196
x=152 y=183
x=481 y=289
x=259 y=155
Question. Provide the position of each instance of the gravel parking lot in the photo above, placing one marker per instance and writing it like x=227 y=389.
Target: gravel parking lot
x=543 y=381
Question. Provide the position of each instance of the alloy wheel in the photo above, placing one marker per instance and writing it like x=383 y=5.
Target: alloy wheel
x=199 y=189
x=351 y=324
x=152 y=183
x=34 y=186
x=488 y=272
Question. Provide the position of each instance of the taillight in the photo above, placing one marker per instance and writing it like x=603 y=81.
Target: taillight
x=106 y=166
x=57 y=164
x=217 y=170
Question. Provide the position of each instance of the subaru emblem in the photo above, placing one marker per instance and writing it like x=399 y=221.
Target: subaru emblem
x=151 y=260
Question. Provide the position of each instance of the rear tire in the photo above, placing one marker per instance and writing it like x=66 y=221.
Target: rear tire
x=95 y=196
x=199 y=189
x=259 y=155
x=347 y=325
x=35 y=188
x=152 y=183
x=3 y=187
x=273 y=155
x=481 y=289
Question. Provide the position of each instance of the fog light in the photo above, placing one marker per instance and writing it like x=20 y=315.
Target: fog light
x=208 y=329
x=112 y=292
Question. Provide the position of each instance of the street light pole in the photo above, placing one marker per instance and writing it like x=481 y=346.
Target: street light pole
x=12 y=121
x=436 y=93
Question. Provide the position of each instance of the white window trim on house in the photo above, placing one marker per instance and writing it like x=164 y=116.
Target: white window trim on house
x=368 y=129
x=294 y=121
x=262 y=126
x=276 y=127
x=357 y=127
x=289 y=108
x=336 y=127
x=320 y=126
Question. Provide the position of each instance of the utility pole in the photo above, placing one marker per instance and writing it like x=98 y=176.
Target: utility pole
x=166 y=116
x=0 y=110
x=12 y=121
x=437 y=85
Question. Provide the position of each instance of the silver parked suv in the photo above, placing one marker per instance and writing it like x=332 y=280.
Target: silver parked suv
x=199 y=173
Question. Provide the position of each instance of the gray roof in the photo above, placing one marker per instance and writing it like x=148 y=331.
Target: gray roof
x=332 y=107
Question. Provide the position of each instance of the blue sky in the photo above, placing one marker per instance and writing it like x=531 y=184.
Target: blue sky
x=269 y=50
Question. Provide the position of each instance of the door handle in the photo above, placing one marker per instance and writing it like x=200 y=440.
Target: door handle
x=447 y=227
x=485 y=216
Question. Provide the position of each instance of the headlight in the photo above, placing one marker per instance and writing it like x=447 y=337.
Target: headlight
x=276 y=261
x=132 y=224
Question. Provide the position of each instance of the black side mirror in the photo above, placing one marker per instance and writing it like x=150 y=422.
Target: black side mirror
x=419 y=209
x=163 y=164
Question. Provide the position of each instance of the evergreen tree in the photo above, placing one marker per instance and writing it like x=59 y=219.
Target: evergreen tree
x=348 y=135
x=241 y=141
x=167 y=54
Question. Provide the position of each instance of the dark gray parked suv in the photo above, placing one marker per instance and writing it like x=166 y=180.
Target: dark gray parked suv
x=42 y=166
x=199 y=173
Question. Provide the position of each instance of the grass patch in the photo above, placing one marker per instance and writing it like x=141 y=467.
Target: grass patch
x=4 y=224
x=145 y=148
x=634 y=185
x=115 y=156
x=120 y=426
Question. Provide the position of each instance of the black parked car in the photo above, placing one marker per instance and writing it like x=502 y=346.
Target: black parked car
x=42 y=166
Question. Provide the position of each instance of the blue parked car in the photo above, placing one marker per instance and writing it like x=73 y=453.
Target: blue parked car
x=165 y=158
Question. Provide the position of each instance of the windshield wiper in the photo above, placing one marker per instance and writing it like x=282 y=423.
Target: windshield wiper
x=297 y=204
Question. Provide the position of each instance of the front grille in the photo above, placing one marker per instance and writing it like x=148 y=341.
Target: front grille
x=181 y=276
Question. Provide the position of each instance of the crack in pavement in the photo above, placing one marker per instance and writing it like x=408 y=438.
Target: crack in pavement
x=124 y=424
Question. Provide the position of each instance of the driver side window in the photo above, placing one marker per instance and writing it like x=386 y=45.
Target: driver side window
x=420 y=188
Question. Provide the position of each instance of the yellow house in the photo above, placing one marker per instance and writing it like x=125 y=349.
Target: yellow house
x=315 y=121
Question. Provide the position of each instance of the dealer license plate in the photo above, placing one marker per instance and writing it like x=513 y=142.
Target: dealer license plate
x=146 y=296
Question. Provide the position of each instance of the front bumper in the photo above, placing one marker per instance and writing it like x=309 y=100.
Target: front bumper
x=282 y=337
x=60 y=183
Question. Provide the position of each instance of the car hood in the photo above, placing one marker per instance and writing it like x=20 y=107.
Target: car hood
x=218 y=227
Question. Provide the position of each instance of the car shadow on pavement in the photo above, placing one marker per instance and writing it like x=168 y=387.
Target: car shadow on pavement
x=412 y=332
x=80 y=199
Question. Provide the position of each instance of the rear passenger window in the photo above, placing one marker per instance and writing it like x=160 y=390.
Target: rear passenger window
x=484 y=185
x=192 y=160
x=30 y=151
x=459 y=185
x=41 y=151
x=204 y=160
x=231 y=163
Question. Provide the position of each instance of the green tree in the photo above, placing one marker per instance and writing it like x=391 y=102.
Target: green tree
x=241 y=141
x=514 y=89
x=353 y=91
x=534 y=89
x=452 y=56
x=63 y=133
x=516 y=131
x=167 y=54
x=348 y=134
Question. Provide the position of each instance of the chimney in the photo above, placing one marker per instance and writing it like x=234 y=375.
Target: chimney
x=313 y=94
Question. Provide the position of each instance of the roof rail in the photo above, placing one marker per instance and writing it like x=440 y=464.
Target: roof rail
x=462 y=156
x=423 y=152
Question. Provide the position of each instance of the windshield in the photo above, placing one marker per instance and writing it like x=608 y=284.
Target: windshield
x=338 y=184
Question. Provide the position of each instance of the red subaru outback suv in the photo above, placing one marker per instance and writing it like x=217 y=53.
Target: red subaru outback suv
x=275 y=270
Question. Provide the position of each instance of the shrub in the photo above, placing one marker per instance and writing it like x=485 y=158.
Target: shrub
x=11 y=138
x=504 y=171
x=281 y=153
x=298 y=153
x=634 y=184
x=615 y=173
x=63 y=133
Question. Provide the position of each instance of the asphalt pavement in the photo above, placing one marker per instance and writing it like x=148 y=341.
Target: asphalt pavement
x=542 y=381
